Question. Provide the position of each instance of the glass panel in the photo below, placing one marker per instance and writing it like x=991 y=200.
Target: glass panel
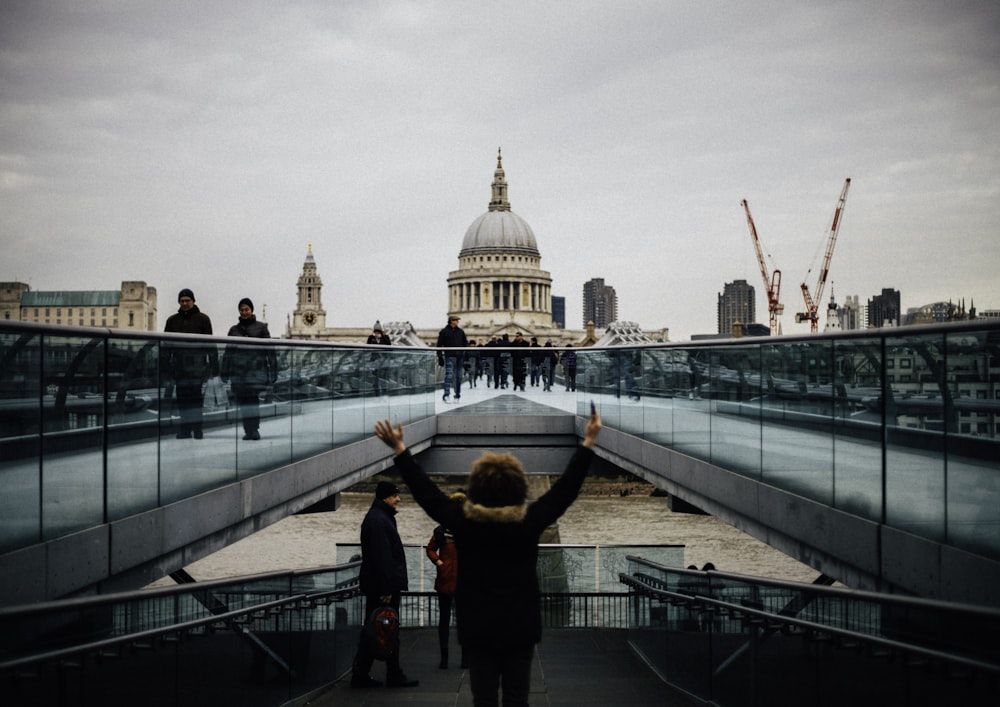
x=133 y=401
x=857 y=443
x=692 y=417
x=735 y=425
x=308 y=393
x=973 y=484
x=196 y=441
x=72 y=434
x=915 y=390
x=798 y=418
x=20 y=439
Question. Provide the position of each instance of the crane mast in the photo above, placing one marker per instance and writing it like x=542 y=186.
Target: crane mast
x=811 y=314
x=772 y=282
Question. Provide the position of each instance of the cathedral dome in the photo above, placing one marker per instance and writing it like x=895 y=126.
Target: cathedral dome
x=499 y=229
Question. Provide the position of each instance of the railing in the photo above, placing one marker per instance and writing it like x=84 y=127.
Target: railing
x=89 y=418
x=899 y=426
x=259 y=640
x=738 y=640
x=255 y=640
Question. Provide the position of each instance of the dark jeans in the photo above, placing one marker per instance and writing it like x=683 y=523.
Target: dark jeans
x=489 y=669
x=363 y=659
x=445 y=602
x=248 y=399
x=453 y=376
x=190 y=402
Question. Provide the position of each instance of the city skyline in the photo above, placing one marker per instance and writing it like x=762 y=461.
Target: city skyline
x=204 y=147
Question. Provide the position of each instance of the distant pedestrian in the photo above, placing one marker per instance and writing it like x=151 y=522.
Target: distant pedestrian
x=449 y=339
x=549 y=360
x=569 y=367
x=250 y=370
x=536 y=362
x=190 y=365
x=379 y=338
x=519 y=361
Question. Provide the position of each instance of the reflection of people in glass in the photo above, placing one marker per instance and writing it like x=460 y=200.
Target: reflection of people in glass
x=190 y=366
x=250 y=370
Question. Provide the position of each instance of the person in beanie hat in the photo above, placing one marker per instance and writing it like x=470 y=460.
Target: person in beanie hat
x=378 y=369
x=497 y=599
x=382 y=578
x=250 y=370
x=189 y=366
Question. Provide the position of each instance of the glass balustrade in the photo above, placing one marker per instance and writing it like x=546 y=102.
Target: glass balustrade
x=898 y=426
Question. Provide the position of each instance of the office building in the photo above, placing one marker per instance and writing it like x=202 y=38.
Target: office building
x=736 y=304
x=600 y=303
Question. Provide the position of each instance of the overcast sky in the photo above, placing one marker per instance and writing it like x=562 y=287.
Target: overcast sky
x=208 y=144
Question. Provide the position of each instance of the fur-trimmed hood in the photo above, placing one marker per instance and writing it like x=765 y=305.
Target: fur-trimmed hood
x=494 y=514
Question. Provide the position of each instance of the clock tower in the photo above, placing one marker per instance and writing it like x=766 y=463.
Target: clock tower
x=309 y=318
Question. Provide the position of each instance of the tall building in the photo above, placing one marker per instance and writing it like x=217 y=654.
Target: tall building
x=559 y=312
x=133 y=306
x=736 y=304
x=884 y=309
x=308 y=321
x=600 y=303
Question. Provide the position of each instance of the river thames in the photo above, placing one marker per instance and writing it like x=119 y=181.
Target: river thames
x=310 y=540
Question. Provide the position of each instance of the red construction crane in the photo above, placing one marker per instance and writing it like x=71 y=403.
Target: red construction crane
x=810 y=315
x=772 y=282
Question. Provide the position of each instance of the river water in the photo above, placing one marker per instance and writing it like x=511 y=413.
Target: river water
x=306 y=541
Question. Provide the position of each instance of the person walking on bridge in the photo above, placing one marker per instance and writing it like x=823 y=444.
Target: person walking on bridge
x=452 y=337
x=498 y=601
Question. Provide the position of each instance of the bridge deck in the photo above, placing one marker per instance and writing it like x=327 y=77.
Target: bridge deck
x=571 y=667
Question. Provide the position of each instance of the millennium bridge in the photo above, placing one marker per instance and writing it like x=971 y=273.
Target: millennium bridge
x=872 y=457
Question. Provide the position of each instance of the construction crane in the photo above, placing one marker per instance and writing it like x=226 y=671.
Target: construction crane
x=772 y=282
x=811 y=315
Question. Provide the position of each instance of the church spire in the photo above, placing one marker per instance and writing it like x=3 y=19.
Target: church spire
x=499 y=201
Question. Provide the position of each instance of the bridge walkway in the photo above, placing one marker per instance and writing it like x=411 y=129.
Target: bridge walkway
x=571 y=667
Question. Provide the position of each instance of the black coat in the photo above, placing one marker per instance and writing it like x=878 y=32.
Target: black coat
x=186 y=361
x=497 y=598
x=250 y=367
x=383 y=562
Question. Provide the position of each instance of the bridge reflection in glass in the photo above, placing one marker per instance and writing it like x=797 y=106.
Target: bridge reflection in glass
x=898 y=426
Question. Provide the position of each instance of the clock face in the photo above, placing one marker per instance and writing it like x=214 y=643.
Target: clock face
x=309 y=318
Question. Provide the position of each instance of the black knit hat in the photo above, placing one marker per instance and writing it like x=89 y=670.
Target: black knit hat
x=377 y=326
x=384 y=489
x=185 y=293
x=246 y=301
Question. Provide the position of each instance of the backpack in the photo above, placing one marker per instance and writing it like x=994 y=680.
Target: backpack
x=381 y=632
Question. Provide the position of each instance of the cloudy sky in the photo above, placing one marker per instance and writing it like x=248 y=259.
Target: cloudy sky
x=208 y=144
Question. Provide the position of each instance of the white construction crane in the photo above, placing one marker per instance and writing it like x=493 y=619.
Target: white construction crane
x=811 y=315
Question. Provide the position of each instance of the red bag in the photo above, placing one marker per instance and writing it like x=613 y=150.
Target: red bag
x=381 y=632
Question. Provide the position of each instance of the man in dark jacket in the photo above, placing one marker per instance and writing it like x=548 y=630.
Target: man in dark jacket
x=379 y=338
x=496 y=535
x=452 y=337
x=382 y=578
x=250 y=370
x=189 y=365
